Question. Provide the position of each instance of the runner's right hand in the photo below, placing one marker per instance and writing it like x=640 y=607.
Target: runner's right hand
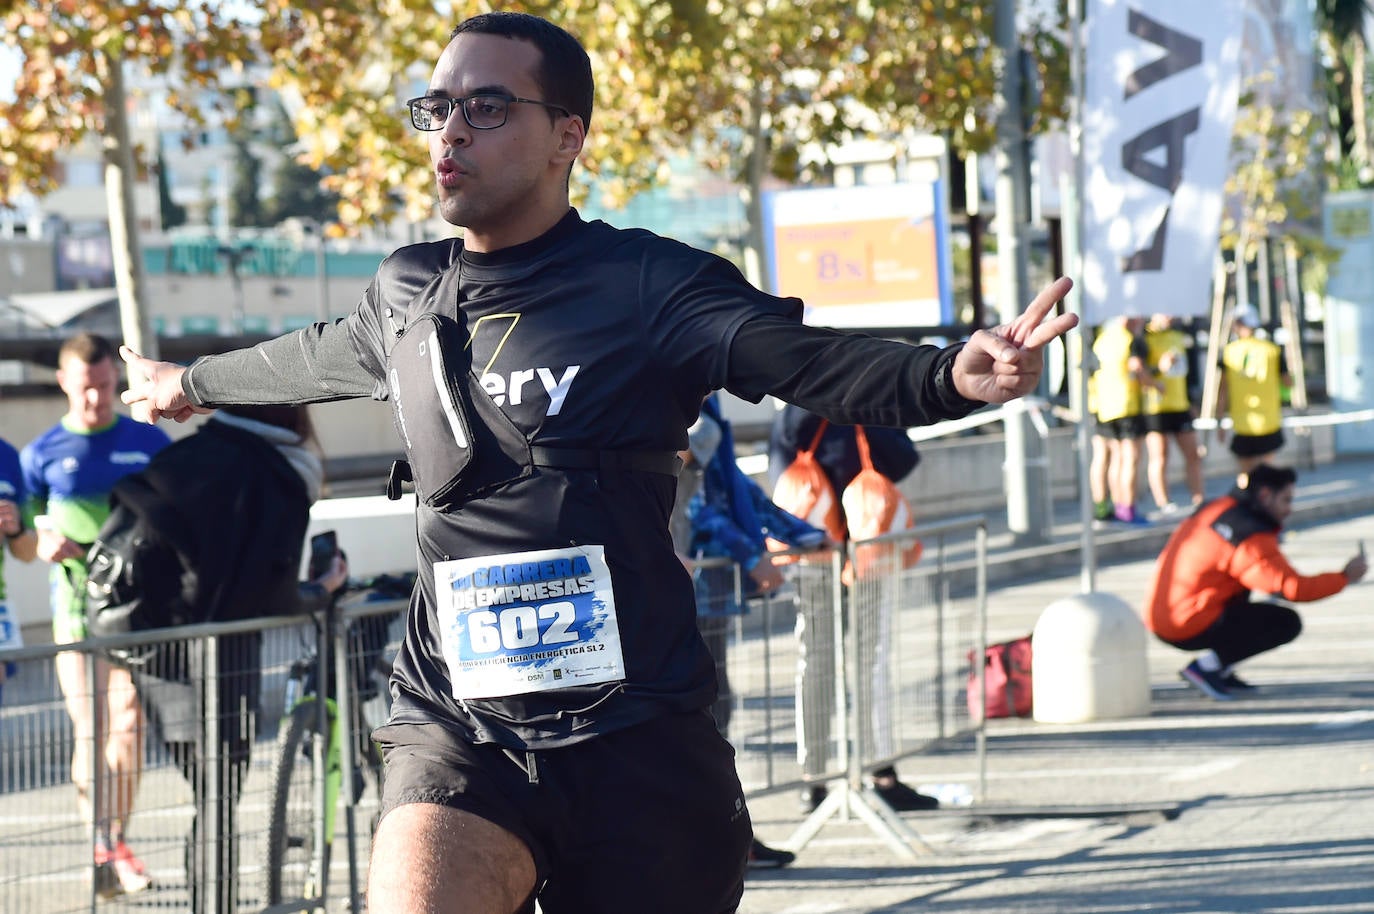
x=155 y=390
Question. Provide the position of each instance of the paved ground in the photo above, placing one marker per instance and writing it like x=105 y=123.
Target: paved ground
x=1259 y=805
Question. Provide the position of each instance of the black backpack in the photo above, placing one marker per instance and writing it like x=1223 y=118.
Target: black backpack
x=136 y=580
x=210 y=531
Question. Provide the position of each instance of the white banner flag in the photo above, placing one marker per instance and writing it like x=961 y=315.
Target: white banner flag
x=1161 y=82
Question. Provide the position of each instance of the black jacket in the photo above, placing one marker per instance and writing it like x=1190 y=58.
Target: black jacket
x=235 y=514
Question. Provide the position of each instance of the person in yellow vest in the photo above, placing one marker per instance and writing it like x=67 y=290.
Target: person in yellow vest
x=1251 y=393
x=1100 y=465
x=1121 y=358
x=1168 y=413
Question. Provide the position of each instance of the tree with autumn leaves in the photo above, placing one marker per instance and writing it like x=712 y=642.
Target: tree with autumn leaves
x=757 y=87
x=71 y=87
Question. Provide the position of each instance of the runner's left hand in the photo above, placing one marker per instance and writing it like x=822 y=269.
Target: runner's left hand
x=1006 y=362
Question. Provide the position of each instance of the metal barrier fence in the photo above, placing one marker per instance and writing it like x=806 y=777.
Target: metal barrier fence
x=238 y=787
x=859 y=661
x=201 y=772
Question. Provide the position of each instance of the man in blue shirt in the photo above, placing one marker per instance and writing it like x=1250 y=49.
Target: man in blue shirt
x=18 y=538
x=68 y=473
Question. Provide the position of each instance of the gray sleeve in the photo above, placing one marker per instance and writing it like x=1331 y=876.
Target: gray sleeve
x=313 y=365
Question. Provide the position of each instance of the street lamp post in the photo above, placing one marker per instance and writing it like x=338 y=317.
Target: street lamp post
x=1026 y=464
x=322 y=271
x=321 y=275
x=233 y=256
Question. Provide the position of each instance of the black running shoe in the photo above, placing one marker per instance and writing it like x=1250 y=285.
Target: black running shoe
x=763 y=857
x=1234 y=683
x=1208 y=682
x=903 y=798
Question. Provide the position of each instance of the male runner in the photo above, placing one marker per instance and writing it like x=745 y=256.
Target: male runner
x=68 y=472
x=1121 y=354
x=1168 y=413
x=1252 y=393
x=550 y=734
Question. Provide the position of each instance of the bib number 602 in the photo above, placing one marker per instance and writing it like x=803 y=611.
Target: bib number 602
x=517 y=627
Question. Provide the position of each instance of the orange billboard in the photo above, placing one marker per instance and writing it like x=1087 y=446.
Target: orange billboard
x=871 y=256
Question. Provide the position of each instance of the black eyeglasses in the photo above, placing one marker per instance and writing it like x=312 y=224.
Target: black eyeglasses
x=482 y=112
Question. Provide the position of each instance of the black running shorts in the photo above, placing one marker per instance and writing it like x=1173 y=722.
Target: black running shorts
x=649 y=818
x=1125 y=428
x=1168 y=423
x=1256 y=445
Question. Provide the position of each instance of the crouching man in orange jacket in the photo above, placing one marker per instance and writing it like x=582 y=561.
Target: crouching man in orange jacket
x=1199 y=599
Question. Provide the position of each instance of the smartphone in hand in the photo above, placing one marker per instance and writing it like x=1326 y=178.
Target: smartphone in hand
x=323 y=547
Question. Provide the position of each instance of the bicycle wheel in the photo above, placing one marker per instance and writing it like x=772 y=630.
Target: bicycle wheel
x=290 y=861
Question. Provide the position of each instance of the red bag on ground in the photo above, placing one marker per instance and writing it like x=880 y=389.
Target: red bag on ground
x=1008 y=666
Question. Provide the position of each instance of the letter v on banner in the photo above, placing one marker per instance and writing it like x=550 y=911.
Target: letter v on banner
x=1162 y=80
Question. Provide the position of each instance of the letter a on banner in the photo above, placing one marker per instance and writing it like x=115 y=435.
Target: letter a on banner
x=1161 y=83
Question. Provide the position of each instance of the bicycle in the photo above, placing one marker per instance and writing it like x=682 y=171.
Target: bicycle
x=307 y=771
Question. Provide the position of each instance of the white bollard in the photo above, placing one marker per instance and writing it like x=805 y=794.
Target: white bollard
x=1088 y=661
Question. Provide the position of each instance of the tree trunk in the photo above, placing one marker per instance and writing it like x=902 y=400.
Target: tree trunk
x=1343 y=122
x=1359 y=139
x=119 y=192
x=755 y=170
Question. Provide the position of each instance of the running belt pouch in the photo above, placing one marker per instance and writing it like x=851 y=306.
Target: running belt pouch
x=1008 y=676
x=429 y=405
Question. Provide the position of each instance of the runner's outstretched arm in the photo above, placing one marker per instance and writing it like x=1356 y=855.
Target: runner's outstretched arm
x=315 y=364
x=854 y=379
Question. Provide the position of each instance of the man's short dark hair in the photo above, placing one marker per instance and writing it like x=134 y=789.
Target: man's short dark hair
x=565 y=70
x=90 y=348
x=1270 y=477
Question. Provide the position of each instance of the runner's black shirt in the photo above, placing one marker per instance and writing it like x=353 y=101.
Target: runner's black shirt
x=587 y=337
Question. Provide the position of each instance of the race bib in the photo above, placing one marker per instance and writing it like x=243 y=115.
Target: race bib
x=528 y=622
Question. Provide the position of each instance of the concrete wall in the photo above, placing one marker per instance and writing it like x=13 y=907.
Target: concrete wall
x=965 y=475
x=284 y=302
x=27 y=266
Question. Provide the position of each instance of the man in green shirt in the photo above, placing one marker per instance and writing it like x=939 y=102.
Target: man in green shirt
x=69 y=471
